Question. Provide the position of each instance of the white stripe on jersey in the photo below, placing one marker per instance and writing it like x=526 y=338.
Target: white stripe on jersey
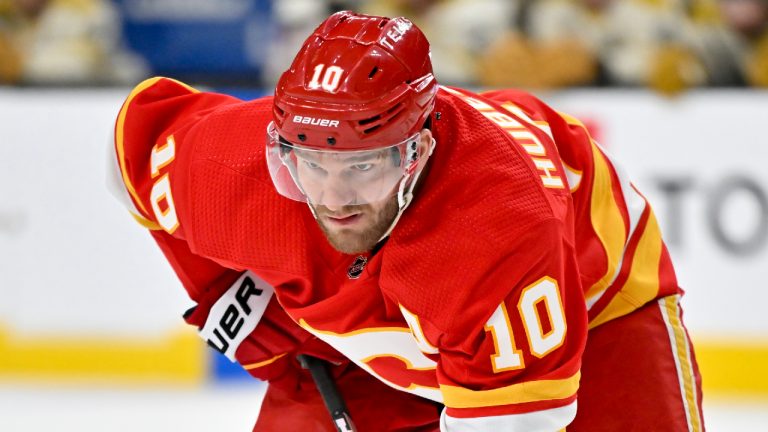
x=549 y=420
x=115 y=183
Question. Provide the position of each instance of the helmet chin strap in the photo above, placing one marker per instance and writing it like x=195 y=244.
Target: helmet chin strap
x=405 y=193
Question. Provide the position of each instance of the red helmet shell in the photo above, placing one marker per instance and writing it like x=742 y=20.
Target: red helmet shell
x=358 y=82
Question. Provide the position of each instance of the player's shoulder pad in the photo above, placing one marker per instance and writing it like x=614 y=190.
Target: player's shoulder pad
x=519 y=101
x=154 y=111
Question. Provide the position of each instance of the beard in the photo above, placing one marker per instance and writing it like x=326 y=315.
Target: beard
x=376 y=220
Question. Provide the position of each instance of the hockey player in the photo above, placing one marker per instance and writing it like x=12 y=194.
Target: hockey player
x=462 y=261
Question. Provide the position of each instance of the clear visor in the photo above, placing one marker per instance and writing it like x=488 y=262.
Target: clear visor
x=338 y=178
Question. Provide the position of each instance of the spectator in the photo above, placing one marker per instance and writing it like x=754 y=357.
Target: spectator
x=518 y=59
x=735 y=50
x=63 y=42
x=459 y=30
x=293 y=19
x=592 y=42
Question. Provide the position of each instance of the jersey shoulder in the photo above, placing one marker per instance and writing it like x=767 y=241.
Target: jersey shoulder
x=489 y=167
x=192 y=164
x=571 y=136
x=153 y=114
x=482 y=217
x=235 y=211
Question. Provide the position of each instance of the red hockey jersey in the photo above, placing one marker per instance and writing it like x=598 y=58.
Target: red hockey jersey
x=522 y=234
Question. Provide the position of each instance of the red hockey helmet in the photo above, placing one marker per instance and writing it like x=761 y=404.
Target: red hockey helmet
x=359 y=84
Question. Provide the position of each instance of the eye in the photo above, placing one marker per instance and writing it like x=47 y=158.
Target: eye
x=311 y=165
x=362 y=167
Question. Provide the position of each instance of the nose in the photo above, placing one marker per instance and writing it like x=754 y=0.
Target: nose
x=337 y=193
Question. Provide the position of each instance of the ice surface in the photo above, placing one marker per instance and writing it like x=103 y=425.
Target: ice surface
x=24 y=408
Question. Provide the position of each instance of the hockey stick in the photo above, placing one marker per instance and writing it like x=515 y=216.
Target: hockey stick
x=331 y=397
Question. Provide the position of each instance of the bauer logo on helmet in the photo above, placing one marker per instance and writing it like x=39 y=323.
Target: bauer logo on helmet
x=315 y=121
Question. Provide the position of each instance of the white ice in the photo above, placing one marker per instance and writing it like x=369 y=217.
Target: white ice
x=26 y=408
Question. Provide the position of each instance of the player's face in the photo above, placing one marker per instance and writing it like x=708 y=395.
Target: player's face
x=356 y=228
x=354 y=197
x=338 y=179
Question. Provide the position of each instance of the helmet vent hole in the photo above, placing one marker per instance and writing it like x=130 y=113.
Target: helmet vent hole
x=371 y=124
x=369 y=120
x=373 y=72
x=383 y=22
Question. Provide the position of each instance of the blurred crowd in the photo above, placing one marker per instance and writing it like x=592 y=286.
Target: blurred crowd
x=64 y=42
x=667 y=45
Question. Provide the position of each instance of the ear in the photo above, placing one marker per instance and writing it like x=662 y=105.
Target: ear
x=425 y=144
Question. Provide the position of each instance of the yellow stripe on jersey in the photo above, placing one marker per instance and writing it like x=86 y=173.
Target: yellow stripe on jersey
x=120 y=134
x=605 y=215
x=146 y=223
x=534 y=391
x=681 y=349
x=606 y=221
x=263 y=363
x=642 y=284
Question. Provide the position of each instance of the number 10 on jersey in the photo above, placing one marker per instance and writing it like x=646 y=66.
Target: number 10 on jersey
x=160 y=194
x=539 y=303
